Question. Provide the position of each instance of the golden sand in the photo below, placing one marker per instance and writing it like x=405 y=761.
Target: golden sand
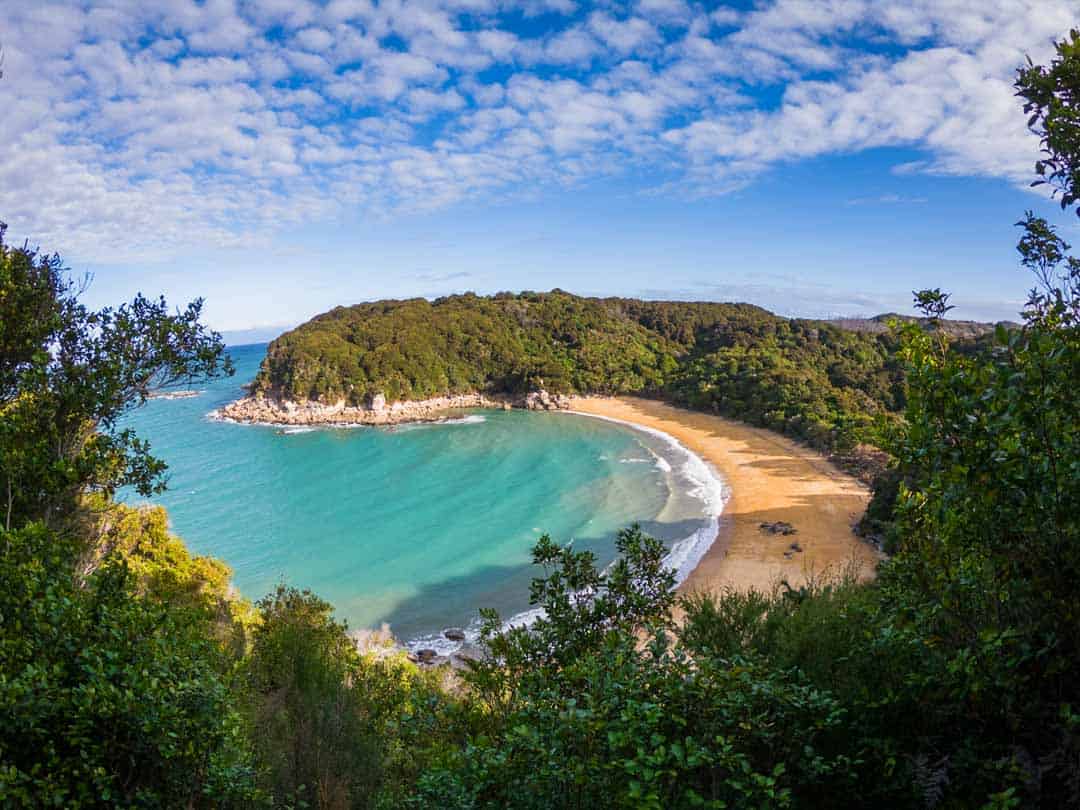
x=771 y=479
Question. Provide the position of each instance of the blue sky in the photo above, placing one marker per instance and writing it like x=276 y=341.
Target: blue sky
x=817 y=157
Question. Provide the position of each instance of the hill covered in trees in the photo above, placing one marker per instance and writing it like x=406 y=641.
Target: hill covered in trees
x=811 y=379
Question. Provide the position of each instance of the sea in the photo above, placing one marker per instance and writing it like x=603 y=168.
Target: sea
x=416 y=527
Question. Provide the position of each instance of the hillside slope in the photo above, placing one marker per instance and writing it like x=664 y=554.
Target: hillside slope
x=811 y=379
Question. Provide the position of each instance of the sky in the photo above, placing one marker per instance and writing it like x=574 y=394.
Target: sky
x=280 y=157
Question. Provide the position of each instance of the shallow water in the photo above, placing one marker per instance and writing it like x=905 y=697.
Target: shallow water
x=416 y=526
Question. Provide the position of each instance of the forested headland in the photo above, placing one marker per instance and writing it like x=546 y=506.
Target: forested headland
x=814 y=380
x=132 y=675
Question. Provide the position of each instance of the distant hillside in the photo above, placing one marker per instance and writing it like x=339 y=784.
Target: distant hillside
x=812 y=379
x=960 y=330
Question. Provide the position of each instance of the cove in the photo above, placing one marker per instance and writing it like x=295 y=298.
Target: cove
x=415 y=526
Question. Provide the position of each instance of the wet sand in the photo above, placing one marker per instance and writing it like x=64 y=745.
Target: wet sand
x=771 y=479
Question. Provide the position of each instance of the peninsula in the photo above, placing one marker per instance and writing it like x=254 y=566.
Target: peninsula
x=393 y=361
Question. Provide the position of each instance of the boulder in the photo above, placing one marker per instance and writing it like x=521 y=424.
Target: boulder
x=542 y=400
x=454 y=634
x=779 y=527
x=426 y=656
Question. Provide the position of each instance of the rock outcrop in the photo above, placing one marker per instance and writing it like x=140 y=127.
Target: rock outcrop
x=543 y=401
x=259 y=408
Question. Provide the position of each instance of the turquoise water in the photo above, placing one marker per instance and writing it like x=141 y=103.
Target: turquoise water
x=416 y=526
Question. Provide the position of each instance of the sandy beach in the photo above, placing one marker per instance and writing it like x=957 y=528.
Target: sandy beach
x=771 y=479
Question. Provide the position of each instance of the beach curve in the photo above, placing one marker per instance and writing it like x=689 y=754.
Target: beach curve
x=769 y=479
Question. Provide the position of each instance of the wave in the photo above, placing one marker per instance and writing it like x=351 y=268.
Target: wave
x=175 y=394
x=471 y=419
x=657 y=460
x=705 y=484
x=446 y=647
x=468 y=419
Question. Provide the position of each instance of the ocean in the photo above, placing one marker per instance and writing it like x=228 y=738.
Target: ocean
x=416 y=526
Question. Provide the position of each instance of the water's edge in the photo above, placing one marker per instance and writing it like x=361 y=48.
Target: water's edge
x=708 y=486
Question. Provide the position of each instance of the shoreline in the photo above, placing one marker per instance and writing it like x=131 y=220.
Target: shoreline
x=710 y=488
x=274 y=412
x=768 y=479
x=763 y=478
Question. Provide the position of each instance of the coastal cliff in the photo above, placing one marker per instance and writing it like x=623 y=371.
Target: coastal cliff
x=257 y=408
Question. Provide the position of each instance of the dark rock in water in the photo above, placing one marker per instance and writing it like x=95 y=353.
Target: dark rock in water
x=454 y=634
x=426 y=656
x=779 y=527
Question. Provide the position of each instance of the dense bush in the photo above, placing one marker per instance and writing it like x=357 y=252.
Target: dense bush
x=508 y=343
x=105 y=698
x=598 y=704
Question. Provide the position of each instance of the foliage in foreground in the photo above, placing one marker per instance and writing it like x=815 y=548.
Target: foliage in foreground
x=107 y=698
x=67 y=375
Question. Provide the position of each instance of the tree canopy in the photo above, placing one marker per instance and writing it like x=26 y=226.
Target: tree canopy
x=811 y=379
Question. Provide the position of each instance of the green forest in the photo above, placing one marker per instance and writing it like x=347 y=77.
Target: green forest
x=133 y=675
x=811 y=379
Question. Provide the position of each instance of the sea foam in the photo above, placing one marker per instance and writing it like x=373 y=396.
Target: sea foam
x=705 y=485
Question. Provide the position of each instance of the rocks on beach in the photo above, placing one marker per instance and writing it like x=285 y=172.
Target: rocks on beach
x=376 y=410
x=382 y=643
x=543 y=401
x=779 y=527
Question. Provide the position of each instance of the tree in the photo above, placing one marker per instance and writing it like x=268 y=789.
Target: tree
x=308 y=716
x=988 y=509
x=67 y=375
x=115 y=644
x=596 y=704
x=107 y=699
x=1051 y=99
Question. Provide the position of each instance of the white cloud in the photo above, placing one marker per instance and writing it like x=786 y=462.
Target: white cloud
x=574 y=46
x=668 y=12
x=623 y=36
x=136 y=129
x=314 y=39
